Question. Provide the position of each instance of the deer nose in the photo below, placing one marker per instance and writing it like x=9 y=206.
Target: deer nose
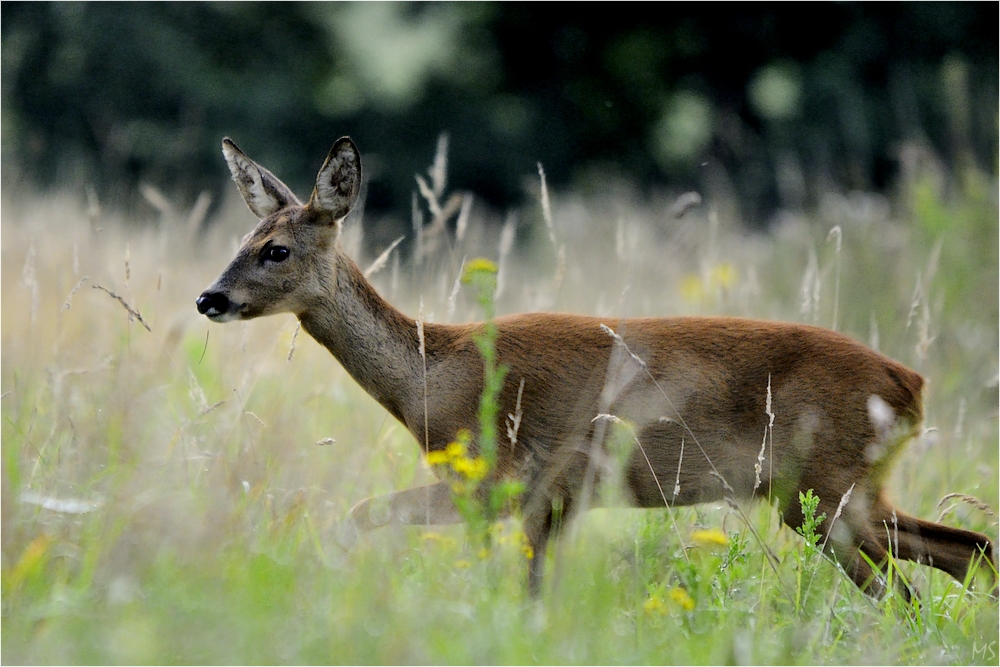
x=212 y=303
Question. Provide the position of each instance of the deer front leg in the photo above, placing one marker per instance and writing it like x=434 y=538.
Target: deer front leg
x=420 y=506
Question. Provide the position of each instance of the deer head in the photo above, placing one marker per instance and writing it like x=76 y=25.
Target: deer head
x=288 y=261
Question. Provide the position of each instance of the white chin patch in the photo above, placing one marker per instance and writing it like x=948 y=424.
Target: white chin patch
x=227 y=316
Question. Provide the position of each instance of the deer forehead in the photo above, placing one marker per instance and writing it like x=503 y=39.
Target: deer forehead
x=276 y=228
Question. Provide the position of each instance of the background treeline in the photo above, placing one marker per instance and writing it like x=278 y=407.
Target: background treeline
x=771 y=105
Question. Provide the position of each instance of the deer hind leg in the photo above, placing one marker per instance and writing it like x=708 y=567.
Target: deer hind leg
x=538 y=527
x=544 y=515
x=850 y=538
x=952 y=550
x=420 y=506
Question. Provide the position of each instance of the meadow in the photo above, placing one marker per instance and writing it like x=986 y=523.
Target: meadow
x=171 y=487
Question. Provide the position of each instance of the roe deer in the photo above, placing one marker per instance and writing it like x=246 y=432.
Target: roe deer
x=838 y=411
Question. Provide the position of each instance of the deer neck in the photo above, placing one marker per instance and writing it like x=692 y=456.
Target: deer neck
x=373 y=341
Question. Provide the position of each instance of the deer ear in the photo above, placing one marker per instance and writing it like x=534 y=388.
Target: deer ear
x=338 y=183
x=261 y=189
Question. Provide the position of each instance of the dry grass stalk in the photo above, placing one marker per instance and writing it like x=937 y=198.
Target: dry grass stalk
x=546 y=206
x=196 y=393
x=198 y=212
x=259 y=420
x=968 y=500
x=423 y=357
x=444 y=214
x=428 y=237
x=759 y=465
x=93 y=206
x=30 y=280
x=844 y=499
x=560 y=273
x=439 y=170
x=811 y=288
x=427 y=192
x=684 y=203
x=156 y=199
x=417 y=217
x=920 y=301
x=924 y=339
x=836 y=231
x=677 y=481
x=295 y=337
x=69 y=298
x=514 y=420
x=873 y=336
x=453 y=296
x=462 y=224
x=960 y=420
x=506 y=244
x=131 y=311
x=382 y=259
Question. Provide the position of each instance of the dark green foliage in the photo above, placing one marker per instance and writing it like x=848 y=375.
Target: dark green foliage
x=777 y=103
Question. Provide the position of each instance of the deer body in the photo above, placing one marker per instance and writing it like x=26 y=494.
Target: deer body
x=697 y=393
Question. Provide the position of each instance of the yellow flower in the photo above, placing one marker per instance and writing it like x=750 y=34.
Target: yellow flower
x=440 y=539
x=437 y=458
x=654 y=605
x=724 y=275
x=478 y=267
x=455 y=449
x=471 y=469
x=462 y=564
x=712 y=537
x=681 y=597
x=691 y=288
x=519 y=539
x=720 y=278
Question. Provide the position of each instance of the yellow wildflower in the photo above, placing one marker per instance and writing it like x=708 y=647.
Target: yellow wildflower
x=724 y=275
x=455 y=449
x=520 y=540
x=471 y=469
x=654 y=605
x=479 y=266
x=720 y=278
x=713 y=537
x=691 y=288
x=681 y=597
x=462 y=564
x=437 y=458
x=443 y=540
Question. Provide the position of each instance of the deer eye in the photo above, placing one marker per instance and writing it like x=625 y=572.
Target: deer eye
x=276 y=253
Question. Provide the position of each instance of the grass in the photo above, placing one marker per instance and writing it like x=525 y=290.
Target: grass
x=170 y=495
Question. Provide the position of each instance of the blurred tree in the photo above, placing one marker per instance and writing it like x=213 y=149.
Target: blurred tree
x=773 y=103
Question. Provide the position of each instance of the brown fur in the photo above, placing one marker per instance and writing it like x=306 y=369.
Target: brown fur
x=703 y=381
